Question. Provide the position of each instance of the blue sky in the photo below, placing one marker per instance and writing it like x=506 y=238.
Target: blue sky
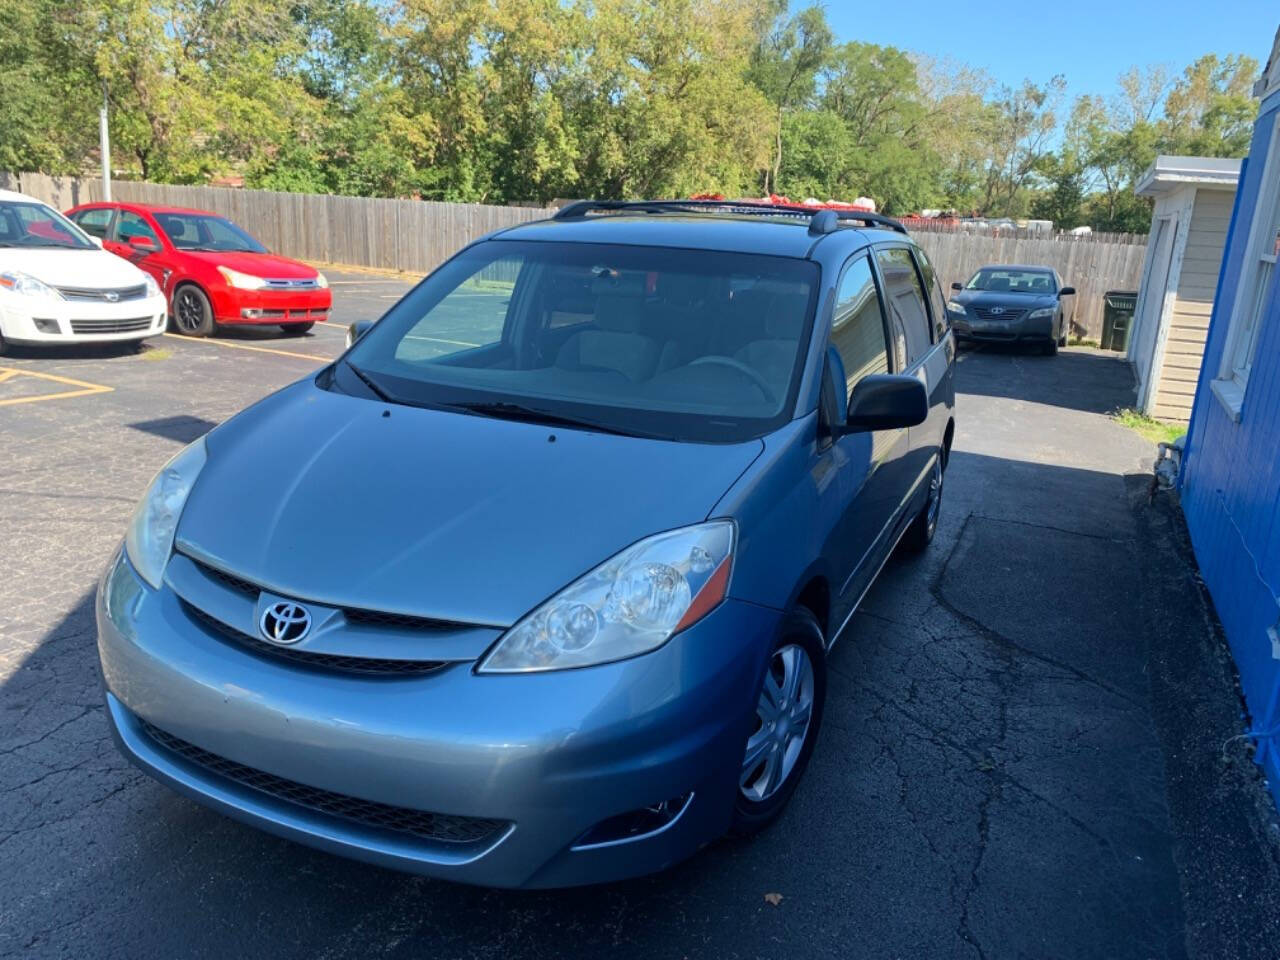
x=1089 y=41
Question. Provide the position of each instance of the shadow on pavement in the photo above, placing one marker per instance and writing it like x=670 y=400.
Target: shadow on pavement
x=1087 y=380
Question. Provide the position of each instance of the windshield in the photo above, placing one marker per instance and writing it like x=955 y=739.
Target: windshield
x=1010 y=280
x=35 y=225
x=202 y=231
x=652 y=341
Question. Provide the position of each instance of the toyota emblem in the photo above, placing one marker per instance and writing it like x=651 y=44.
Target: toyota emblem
x=996 y=311
x=285 y=622
x=112 y=296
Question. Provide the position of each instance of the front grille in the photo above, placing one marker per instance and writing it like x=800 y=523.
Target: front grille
x=370 y=666
x=95 y=295
x=287 y=284
x=227 y=579
x=129 y=325
x=1006 y=315
x=436 y=827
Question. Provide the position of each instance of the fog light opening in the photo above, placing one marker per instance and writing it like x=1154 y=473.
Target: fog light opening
x=46 y=326
x=635 y=824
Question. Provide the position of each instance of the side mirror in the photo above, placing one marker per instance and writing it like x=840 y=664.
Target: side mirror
x=145 y=244
x=886 y=401
x=358 y=330
x=957 y=285
x=1067 y=292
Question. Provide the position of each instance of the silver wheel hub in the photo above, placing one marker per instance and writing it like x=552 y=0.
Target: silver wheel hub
x=783 y=714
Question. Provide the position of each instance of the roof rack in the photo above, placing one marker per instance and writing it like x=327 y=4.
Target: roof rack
x=821 y=221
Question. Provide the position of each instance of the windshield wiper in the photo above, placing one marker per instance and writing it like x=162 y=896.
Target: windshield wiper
x=506 y=410
x=365 y=379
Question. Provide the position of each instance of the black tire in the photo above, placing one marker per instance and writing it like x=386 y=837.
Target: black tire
x=1051 y=348
x=192 y=312
x=296 y=329
x=800 y=630
x=920 y=534
x=4 y=348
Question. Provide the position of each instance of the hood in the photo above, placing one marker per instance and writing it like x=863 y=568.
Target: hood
x=72 y=268
x=268 y=265
x=994 y=298
x=319 y=496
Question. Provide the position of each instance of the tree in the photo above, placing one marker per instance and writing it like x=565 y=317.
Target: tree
x=788 y=56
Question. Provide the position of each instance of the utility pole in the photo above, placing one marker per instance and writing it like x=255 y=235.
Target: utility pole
x=104 y=143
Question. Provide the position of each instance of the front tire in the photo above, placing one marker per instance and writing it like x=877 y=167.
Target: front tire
x=192 y=312
x=788 y=717
x=1051 y=348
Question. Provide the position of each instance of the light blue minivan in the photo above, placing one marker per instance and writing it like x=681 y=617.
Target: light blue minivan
x=534 y=586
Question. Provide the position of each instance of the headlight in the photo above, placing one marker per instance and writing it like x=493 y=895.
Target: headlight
x=1043 y=313
x=150 y=535
x=322 y=281
x=153 y=288
x=241 y=280
x=628 y=605
x=24 y=283
x=953 y=307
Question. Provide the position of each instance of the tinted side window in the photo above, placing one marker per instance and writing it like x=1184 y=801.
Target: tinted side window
x=132 y=225
x=94 y=222
x=937 y=302
x=857 y=326
x=905 y=298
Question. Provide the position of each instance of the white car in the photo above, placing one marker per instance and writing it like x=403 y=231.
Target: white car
x=57 y=285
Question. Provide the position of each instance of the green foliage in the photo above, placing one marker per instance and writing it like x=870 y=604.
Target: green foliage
x=519 y=100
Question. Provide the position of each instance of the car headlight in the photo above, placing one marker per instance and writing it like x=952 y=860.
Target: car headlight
x=240 y=280
x=19 y=282
x=153 y=288
x=322 y=281
x=1043 y=313
x=630 y=604
x=953 y=307
x=149 y=538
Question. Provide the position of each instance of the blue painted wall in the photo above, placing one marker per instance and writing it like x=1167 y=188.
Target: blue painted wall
x=1231 y=476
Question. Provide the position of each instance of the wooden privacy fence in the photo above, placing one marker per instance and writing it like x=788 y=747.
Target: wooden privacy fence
x=412 y=235
x=418 y=235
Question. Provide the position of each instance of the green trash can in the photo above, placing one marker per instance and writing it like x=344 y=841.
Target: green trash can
x=1117 y=318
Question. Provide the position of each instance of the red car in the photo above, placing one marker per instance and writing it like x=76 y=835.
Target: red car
x=212 y=271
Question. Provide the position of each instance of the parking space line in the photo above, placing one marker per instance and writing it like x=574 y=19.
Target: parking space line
x=83 y=388
x=245 y=346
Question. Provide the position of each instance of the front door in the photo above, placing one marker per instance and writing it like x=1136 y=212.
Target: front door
x=869 y=462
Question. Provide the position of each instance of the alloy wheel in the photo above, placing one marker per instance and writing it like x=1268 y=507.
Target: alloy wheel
x=783 y=715
x=188 y=310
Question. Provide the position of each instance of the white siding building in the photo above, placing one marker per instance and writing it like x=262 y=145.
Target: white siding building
x=1194 y=198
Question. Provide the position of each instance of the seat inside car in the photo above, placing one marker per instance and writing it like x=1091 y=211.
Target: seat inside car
x=614 y=342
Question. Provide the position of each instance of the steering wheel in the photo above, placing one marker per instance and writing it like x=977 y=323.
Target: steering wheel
x=743 y=369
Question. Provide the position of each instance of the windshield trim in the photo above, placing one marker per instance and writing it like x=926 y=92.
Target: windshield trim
x=667 y=424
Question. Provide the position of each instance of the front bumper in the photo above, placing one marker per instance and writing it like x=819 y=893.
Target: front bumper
x=1022 y=330
x=548 y=755
x=40 y=320
x=272 y=306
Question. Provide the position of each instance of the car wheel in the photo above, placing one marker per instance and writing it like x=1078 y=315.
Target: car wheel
x=192 y=312
x=1051 y=348
x=920 y=534
x=3 y=347
x=787 y=718
x=296 y=329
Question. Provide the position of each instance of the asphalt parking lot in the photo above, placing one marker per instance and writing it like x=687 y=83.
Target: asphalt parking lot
x=1019 y=757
